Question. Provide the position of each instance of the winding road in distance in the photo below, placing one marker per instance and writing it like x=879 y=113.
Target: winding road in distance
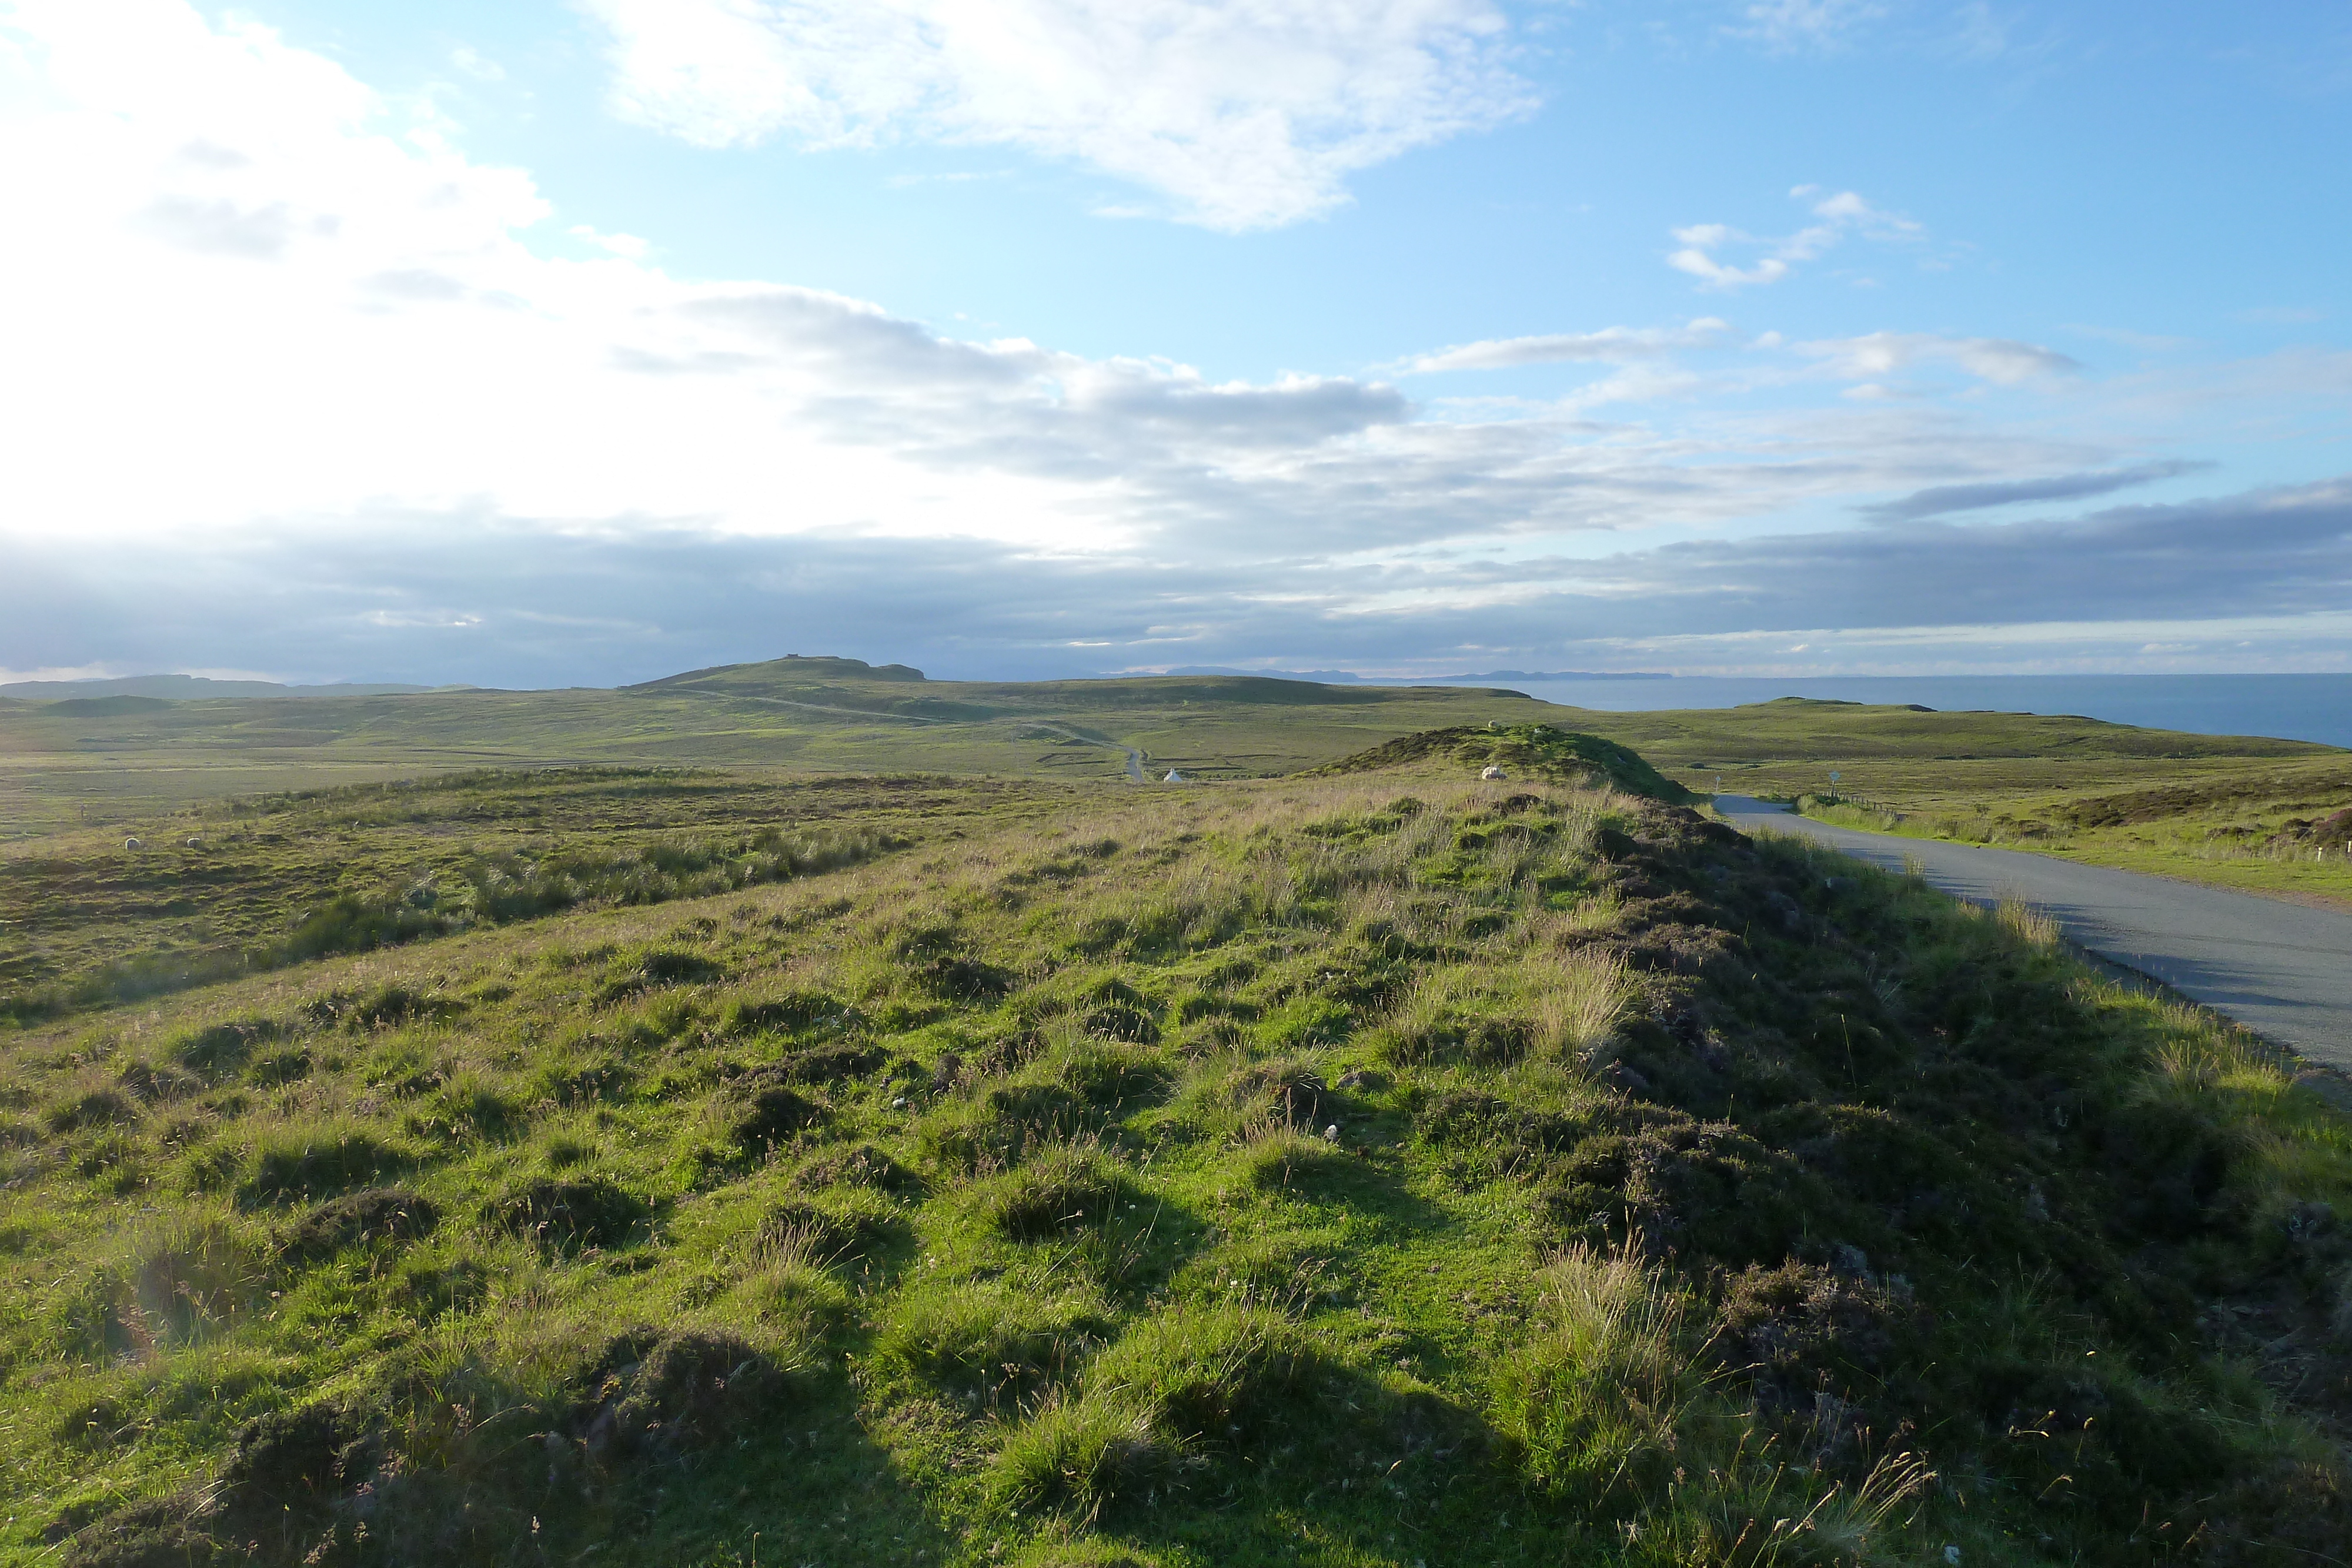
x=2283 y=970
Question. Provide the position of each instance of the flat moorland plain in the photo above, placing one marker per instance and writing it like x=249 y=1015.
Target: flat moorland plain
x=112 y=763
x=2034 y=782
x=1375 y=1169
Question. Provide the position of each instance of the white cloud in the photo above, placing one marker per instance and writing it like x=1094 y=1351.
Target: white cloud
x=1611 y=345
x=2003 y=360
x=1841 y=214
x=1245 y=114
x=1789 y=26
x=1718 y=275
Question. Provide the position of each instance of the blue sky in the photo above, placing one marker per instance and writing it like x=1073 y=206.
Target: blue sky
x=541 y=343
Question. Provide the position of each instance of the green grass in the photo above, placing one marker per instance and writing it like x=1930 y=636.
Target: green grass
x=70 y=767
x=255 y=885
x=87 y=776
x=2257 y=828
x=1379 y=1169
x=1526 y=751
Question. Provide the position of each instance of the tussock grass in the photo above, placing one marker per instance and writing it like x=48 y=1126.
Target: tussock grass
x=1598 y=1396
x=1277 y=1156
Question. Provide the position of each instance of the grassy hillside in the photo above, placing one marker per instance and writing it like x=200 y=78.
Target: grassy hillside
x=1525 y=751
x=68 y=766
x=64 y=769
x=1359 y=1170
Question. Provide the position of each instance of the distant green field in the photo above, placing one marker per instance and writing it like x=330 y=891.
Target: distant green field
x=106 y=767
x=65 y=770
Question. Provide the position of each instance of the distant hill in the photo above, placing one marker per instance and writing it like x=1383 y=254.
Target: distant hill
x=793 y=669
x=1348 y=677
x=851 y=686
x=184 y=688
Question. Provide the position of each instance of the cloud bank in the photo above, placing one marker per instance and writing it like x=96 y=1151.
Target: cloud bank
x=481 y=597
x=1942 y=500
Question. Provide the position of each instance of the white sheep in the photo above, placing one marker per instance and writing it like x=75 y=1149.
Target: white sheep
x=1491 y=773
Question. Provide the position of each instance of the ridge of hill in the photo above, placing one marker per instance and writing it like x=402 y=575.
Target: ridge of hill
x=1523 y=751
x=1482 y=677
x=792 y=669
x=997 y=698
x=1304 y=1171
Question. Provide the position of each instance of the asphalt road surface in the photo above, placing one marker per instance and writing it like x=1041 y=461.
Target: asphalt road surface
x=2283 y=970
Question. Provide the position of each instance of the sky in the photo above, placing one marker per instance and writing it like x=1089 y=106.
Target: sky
x=583 y=341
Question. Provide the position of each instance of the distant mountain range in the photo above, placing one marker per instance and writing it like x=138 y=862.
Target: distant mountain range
x=183 y=688
x=1348 y=677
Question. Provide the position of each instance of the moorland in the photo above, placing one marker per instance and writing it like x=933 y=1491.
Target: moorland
x=1374 y=1167
x=2262 y=815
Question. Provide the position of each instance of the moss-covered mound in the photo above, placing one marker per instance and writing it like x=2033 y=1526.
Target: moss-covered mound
x=1532 y=752
x=1309 y=1172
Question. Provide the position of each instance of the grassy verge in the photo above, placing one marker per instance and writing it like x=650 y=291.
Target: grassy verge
x=2251 y=833
x=1298 y=1172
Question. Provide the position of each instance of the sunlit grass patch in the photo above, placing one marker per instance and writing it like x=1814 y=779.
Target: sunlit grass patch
x=990 y=1345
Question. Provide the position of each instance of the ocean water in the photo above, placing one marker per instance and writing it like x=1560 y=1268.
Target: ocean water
x=2287 y=708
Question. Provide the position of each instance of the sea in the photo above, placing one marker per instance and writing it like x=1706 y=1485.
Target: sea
x=2284 y=707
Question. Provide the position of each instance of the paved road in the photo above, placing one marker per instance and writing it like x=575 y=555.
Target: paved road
x=2282 y=970
x=1134 y=758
